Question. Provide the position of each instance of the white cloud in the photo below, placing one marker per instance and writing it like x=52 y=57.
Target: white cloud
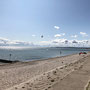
x=57 y=27
x=66 y=42
x=59 y=40
x=59 y=35
x=7 y=42
x=74 y=41
x=83 y=34
x=63 y=34
x=45 y=43
x=62 y=42
x=33 y=35
x=74 y=36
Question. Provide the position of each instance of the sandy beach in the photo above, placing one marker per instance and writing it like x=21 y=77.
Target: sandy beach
x=49 y=74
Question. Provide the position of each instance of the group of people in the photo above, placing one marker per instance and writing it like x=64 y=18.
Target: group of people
x=82 y=53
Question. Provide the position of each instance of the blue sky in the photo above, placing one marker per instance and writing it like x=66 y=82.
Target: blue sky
x=27 y=20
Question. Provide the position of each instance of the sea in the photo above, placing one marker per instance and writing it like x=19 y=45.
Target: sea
x=29 y=54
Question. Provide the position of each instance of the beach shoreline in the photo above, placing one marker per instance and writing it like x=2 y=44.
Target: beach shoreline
x=35 y=74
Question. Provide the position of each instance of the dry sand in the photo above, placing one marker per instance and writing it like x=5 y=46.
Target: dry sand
x=42 y=74
x=76 y=80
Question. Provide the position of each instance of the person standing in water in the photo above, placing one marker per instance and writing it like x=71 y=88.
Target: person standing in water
x=10 y=56
x=60 y=52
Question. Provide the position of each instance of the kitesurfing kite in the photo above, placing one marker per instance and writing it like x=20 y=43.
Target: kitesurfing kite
x=42 y=36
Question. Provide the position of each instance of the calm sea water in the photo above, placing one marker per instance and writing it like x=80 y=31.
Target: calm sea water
x=26 y=54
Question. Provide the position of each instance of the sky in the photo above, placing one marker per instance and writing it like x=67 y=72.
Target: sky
x=56 y=20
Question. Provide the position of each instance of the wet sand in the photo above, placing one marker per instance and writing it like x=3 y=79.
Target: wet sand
x=40 y=75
